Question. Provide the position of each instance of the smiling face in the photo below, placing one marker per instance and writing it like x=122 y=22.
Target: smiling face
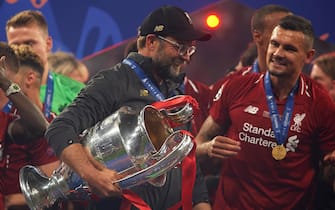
x=288 y=52
x=168 y=61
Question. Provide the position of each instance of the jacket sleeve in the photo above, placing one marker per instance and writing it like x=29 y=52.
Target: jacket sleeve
x=95 y=102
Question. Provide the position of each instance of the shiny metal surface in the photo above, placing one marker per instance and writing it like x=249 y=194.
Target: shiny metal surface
x=179 y=115
x=142 y=147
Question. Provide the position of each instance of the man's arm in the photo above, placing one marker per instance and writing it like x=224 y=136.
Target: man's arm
x=92 y=105
x=202 y=206
x=328 y=167
x=31 y=124
x=99 y=178
x=15 y=200
x=210 y=143
x=49 y=168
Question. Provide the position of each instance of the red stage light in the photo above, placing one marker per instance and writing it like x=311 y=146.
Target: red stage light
x=212 y=21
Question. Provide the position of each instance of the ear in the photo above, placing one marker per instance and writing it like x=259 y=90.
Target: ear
x=151 y=41
x=49 y=43
x=30 y=77
x=256 y=35
x=310 y=55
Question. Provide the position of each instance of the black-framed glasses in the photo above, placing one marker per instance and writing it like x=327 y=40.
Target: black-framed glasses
x=181 y=48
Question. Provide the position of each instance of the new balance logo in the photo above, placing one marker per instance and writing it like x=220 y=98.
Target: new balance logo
x=251 y=109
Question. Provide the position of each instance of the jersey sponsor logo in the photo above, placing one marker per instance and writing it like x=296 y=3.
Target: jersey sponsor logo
x=250 y=128
x=246 y=137
x=251 y=109
x=292 y=143
x=298 y=118
x=262 y=139
x=265 y=137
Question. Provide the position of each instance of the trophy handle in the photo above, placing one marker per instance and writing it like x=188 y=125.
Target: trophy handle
x=178 y=110
x=175 y=148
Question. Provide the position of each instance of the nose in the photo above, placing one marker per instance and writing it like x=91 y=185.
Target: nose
x=278 y=52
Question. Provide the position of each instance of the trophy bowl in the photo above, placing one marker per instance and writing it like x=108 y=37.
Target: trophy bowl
x=141 y=147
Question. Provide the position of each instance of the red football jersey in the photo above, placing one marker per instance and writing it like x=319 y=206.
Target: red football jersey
x=201 y=93
x=254 y=179
x=16 y=156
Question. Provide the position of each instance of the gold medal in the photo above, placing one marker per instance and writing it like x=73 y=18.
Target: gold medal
x=279 y=152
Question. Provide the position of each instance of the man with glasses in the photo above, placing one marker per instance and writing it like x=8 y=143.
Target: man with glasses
x=165 y=45
x=181 y=48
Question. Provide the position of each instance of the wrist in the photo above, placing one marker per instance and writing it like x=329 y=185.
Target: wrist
x=208 y=149
x=203 y=149
x=12 y=89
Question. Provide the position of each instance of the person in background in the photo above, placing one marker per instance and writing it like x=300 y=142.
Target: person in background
x=37 y=153
x=247 y=58
x=270 y=132
x=21 y=132
x=67 y=64
x=323 y=72
x=263 y=22
x=30 y=28
x=165 y=43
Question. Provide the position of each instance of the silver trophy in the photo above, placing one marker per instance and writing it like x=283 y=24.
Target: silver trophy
x=141 y=147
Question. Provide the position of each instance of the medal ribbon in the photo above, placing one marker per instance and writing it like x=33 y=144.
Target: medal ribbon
x=8 y=107
x=255 y=67
x=145 y=79
x=279 y=125
x=48 y=96
x=188 y=164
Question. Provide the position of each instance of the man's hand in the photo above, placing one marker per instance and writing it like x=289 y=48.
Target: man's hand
x=223 y=147
x=4 y=82
x=103 y=183
x=2 y=66
x=329 y=169
x=211 y=143
x=330 y=158
x=100 y=179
